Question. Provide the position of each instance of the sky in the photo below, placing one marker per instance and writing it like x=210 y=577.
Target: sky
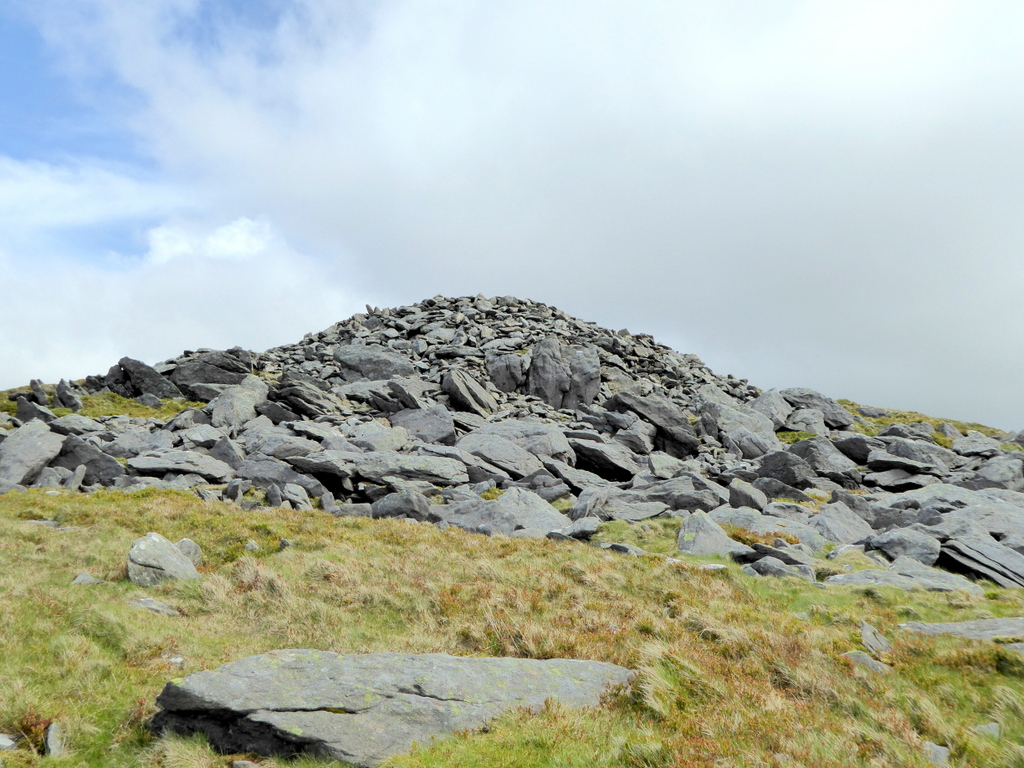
x=811 y=194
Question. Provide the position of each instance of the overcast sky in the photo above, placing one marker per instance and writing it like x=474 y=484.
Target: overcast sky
x=815 y=194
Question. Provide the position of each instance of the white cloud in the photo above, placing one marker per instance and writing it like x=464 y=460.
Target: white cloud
x=808 y=193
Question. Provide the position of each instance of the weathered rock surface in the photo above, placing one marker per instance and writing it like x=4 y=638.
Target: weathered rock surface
x=153 y=559
x=363 y=709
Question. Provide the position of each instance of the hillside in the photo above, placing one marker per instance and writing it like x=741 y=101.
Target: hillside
x=494 y=478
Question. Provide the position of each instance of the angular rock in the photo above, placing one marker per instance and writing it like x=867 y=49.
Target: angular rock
x=403 y=504
x=835 y=415
x=840 y=524
x=74 y=424
x=676 y=435
x=25 y=451
x=478 y=516
x=182 y=462
x=432 y=425
x=541 y=438
x=807 y=420
x=153 y=558
x=99 y=467
x=787 y=468
x=906 y=541
x=612 y=461
x=502 y=453
x=145 y=380
x=364 y=709
x=772 y=566
x=237 y=405
x=873 y=640
x=743 y=431
x=700 y=535
x=861 y=659
x=549 y=377
x=467 y=394
x=529 y=510
x=827 y=461
x=371 y=362
x=978 y=629
x=772 y=404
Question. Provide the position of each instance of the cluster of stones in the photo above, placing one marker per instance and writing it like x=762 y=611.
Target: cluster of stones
x=418 y=412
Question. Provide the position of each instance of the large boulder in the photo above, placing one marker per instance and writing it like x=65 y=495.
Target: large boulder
x=835 y=415
x=237 y=404
x=216 y=368
x=375 y=363
x=745 y=432
x=431 y=425
x=25 y=451
x=676 y=435
x=99 y=467
x=700 y=535
x=541 y=438
x=146 y=380
x=365 y=708
x=467 y=394
x=502 y=453
x=153 y=558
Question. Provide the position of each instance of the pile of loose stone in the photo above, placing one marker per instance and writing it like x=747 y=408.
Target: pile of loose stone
x=418 y=412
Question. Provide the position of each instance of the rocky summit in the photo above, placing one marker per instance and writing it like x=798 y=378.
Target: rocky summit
x=507 y=417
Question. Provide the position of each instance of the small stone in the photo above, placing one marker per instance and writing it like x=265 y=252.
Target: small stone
x=283 y=545
x=935 y=754
x=85 y=579
x=862 y=659
x=149 y=604
x=252 y=546
x=7 y=742
x=989 y=729
x=54 y=742
x=873 y=640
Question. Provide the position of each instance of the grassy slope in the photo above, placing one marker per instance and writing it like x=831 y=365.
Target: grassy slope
x=730 y=676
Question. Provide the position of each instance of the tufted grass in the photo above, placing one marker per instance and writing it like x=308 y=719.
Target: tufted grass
x=733 y=671
x=108 y=404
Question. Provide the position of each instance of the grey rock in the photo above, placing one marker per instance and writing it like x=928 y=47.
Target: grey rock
x=873 y=640
x=53 y=742
x=371 y=362
x=541 y=438
x=507 y=372
x=776 y=489
x=30 y=411
x=1003 y=471
x=467 y=394
x=807 y=420
x=840 y=524
x=857 y=446
x=297 y=496
x=907 y=574
x=773 y=566
x=7 y=742
x=99 y=467
x=74 y=424
x=743 y=431
x=155 y=606
x=237 y=404
x=265 y=471
x=754 y=521
x=584 y=376
x=835 y=415
x=136 y=440
x=211 y=368
x=827 y=461
x=26 y=450
x=432 y=425
x=772 y=404
x=976 y=444
x=364 y=709
x=787 y=511
x=861 y=659
x=403 y=504
x=612 y=461
x=676 y=435
x=67 y=396
x=477 y=469
x=374 y=436
x=531 y=511
x=228 y=451
x=84 y=579
x=994 y=730
x=549 y=376
x=700 y=535
x=787 y=468
x=984 y=557
x=152 y=559
x=191 y=550
x=906 y=541
x=978 y=629
x=380 y=465
x=202 y=435
x=583 y=528
x=477 y=516
x=145 y=380
x=502 y=453
x=183 y=462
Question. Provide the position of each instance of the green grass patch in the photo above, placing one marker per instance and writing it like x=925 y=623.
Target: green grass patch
x=790 y=436
x=732 y=671
x=913 y=417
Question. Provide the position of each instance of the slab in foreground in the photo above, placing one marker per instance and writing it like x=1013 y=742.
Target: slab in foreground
x=364 y=708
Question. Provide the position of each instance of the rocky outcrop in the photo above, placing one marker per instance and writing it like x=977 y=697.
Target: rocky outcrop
x=449 y=398
x=365 y=708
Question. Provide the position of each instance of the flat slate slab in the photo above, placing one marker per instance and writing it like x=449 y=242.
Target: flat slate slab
x=365 y=708
x=979 y=629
